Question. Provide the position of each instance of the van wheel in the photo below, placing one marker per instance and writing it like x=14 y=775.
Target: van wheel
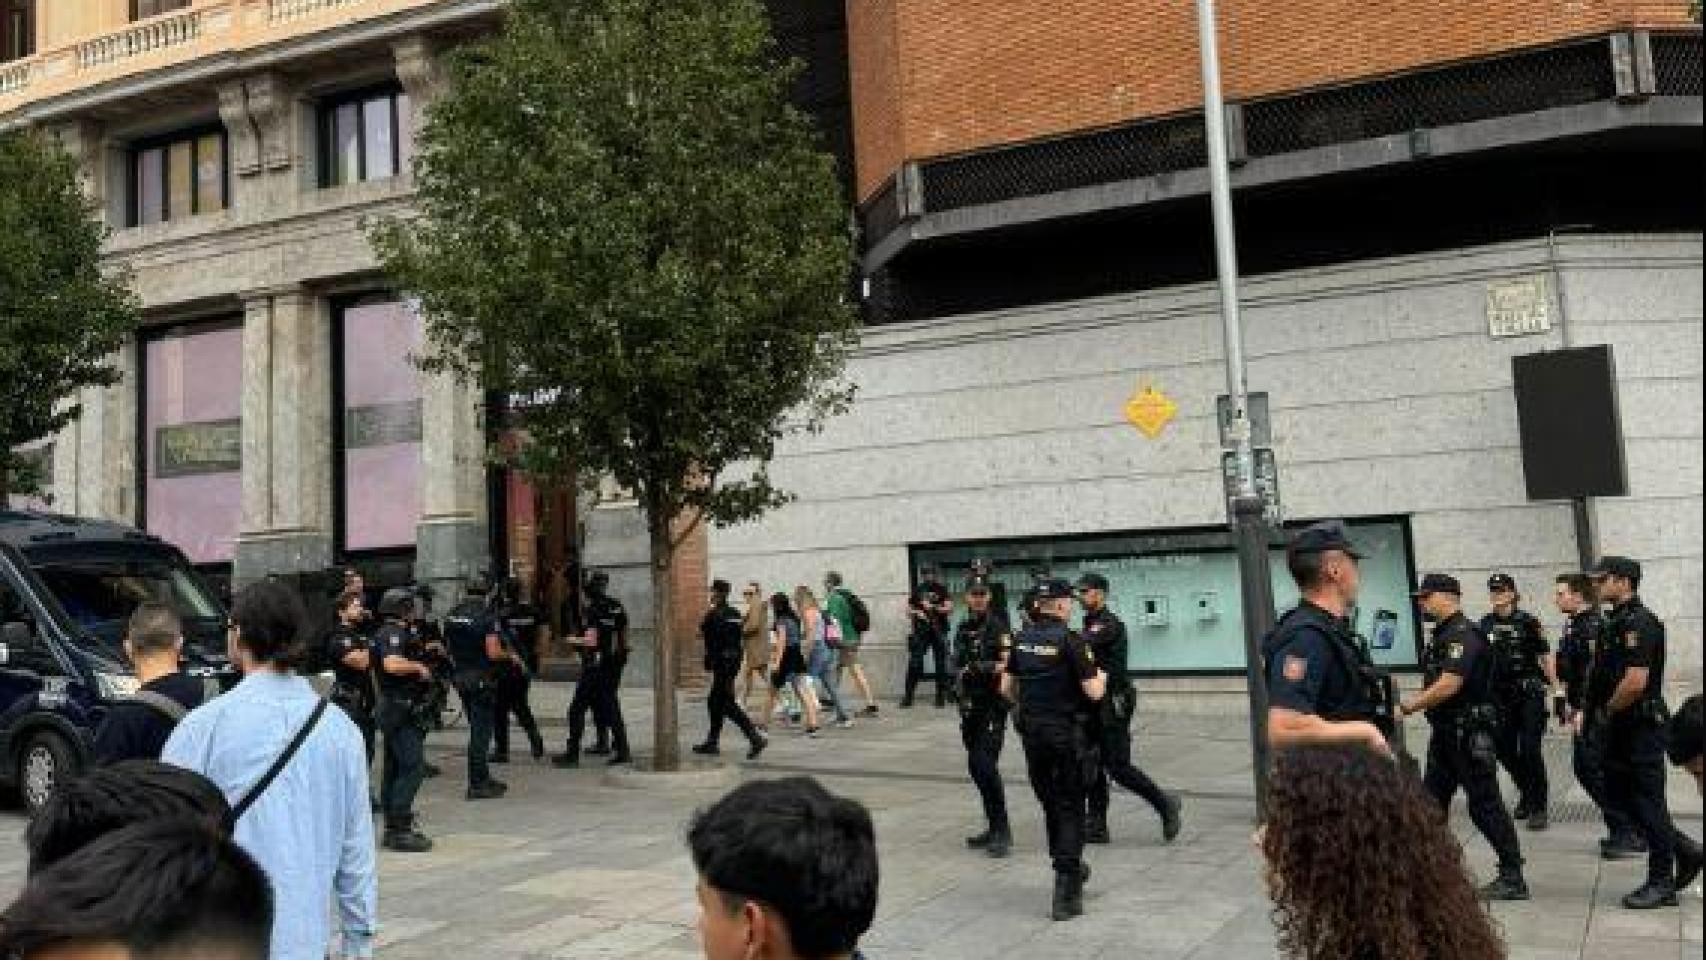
x=45 y=761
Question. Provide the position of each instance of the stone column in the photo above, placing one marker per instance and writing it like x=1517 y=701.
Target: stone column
x=94 y=458
x=287 y=410
x=451 y=539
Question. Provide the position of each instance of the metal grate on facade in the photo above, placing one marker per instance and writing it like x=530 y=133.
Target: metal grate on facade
x=1676 y=64
x=880 y=215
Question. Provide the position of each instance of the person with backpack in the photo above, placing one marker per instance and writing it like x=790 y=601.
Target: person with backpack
x=136 y=728
x=854 y=618
x=824 y=636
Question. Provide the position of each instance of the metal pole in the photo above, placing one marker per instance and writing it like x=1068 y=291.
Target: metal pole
x=1249 y=521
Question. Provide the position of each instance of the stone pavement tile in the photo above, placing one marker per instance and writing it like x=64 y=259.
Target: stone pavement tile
x=627 y=940
x=1627 y=949
x=552 y=934
x=396 y=930
x=1617 y=923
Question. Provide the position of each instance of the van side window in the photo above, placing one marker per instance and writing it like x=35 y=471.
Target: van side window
x=11 y=607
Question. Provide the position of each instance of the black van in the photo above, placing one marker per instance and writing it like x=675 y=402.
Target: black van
x=67 y=587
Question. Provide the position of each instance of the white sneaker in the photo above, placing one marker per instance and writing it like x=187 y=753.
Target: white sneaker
x=844 y=724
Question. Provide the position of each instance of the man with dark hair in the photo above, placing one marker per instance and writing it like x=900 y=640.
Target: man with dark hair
x=83 y=809
x=137 y=727
x=165 y=890
x=982 y=643
x=1580 y=645
x=405 y=703
x=787 y=871
x=929 y=609
x=721 y=632
x=1524 y=671
x=475 y=638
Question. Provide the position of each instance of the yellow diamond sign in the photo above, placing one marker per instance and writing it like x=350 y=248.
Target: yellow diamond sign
x=1150 y=410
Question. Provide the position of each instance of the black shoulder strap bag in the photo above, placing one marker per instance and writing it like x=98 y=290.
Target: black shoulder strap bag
x=278 y=765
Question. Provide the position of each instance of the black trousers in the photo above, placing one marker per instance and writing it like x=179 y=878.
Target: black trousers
x=722 y=704
x=362 y=716
x=1451 y=764
x=404 y=768
x=1113 y=746
x=1635 y=785
x=1054 y=759
x=479 y=704
x=982 y=729
x=1587 y=758
x=1522 y=730
x=919 y=643
x=596 y=692
x=514 y=690
x=607 y=718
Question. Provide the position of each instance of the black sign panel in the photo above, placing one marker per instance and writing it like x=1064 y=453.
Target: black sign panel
x=1572 y=434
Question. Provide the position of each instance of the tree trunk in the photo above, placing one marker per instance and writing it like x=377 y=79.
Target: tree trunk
x=666 y=737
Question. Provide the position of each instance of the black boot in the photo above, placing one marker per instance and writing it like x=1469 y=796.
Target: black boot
x=1096 y=828
x=756 y=746
x=1688 y=861
x=1170 y=822
x=1000 y=842
x=707 y=749
x=1068 y=896
x=980 y=841
x=402 y=836
x=1652 y=895
x=1622 y=847
x=568 y=758
x=1508 y=885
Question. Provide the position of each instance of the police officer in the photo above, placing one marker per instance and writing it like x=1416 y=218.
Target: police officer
x=929 y=608
x=606 y=635
x=721 y=630
x=1523 y=672
x=616 y=664
x=1581 y=645
x=982 y=642
x=1626 y=696
x=1459 y=702
x=477 y=649
x=519 y=621
x=354 y=683
x=404 y=684
x=1053 y=677
x=1321 y=686
x=1111 y=726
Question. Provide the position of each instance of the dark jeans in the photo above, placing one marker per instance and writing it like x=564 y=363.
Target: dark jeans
x=1587 y=757
x=1635 y=785
x=405 y=762
x=1114 y=746
x=479 y=703
x=514 y=688
x=935 y=643
x=1451 y=764
x=1522 y=730
x=722 y=704
x=1054 y=759
x=982 y=730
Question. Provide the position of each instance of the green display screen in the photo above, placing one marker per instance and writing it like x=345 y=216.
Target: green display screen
x=1178 y=591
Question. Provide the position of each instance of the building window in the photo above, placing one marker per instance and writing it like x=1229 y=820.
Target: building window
x=178 y=176
x=1177 y=591
x=365 y=137
x=191 y=438
x=17 y=29
x=378 y=435
x=141 y=9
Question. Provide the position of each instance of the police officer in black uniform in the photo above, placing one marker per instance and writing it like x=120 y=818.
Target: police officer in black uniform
x=404 y=684
x=355 y=687
x=606 y=636
x=1581 y=645
x=929 y=609
x=519 y=621
x=1322 y=686
x=982 y=643
x=475 y=638
x=1460 y=705
x=1111 y=726
x=721 y=632
x=1626 y=693
x=1523 y=672
x=1053 y=677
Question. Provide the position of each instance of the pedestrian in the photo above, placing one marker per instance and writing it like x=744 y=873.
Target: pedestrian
x=788 y=662
x=475 y=639
x=929 y=609
x=355 y=686
x=755 y=642
x=787 y=871
x=175 y=888
x=1627 y=691
x=1321 y=686
x=822 y=637
x=849 y=611
x=1053 y=677
x=1461 y=707
x=83 y=809
x=1579 y=648
x=720 y=631
x=1682 y=744
x=296 y=775
x=406 y=709
x=1361 y=866
x=982 y=644
x=608 y=619
x=1111 y=721
x=1524 y=670
x=136 y=727
x=520 y=623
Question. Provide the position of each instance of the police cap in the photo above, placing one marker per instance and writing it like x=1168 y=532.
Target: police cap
x=1322 y=537
x=1093 y=581
x=1054 y=589
x=1615 y=567
x=1439 y=583
x=720 y=587
x=396 y=602
x=1501 y=581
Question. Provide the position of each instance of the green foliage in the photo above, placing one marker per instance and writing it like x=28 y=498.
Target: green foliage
x=621 y=219
x=61 y=318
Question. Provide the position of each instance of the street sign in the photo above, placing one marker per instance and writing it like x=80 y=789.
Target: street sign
x=1267 y=482
x=1519 y=308
x=1150 y=410
x=1256 y=406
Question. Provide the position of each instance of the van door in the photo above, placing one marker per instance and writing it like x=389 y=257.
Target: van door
x=26 y=660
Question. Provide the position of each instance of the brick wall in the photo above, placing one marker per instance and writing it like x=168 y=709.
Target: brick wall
x=935 y=77
x=690 y=575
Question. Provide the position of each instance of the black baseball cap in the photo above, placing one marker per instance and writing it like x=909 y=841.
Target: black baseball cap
x=1093 y=581
x=1054 y=589
x=1322 y=537
x=1501 y=581
x=1439 y=583
x=1615 y=567
x=720 y=586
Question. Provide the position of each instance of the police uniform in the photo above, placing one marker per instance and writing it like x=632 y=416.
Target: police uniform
x=982 y=644
x=356 y=692
x=402 y=718
x=929 y=635
x=1461 y=751
x=1111 y=725
x=597 y=690
x=1049 y=665
x=520 y=624
x=1581 y=645
x=721 y=630
x=466 y=629
x=1518 y=644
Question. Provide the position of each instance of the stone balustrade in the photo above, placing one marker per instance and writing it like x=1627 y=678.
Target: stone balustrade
x=278 y=10
x=16 y=76
x=144 y=37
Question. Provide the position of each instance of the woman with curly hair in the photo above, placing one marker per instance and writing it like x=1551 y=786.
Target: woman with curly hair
x=1362 y=867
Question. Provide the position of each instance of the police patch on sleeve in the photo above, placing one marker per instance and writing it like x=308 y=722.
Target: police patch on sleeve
x=1295 y=668
x=1633 y=639
x=1454 y=651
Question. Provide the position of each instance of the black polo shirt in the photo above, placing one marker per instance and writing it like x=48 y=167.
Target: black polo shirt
x=1050 y=664
x=132 y=730
x=1106 y=635
x=1312 y=667
x=1458 y=646
x=1633 y=637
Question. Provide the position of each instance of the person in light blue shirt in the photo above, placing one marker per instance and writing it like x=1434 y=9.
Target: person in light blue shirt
x=311 y=830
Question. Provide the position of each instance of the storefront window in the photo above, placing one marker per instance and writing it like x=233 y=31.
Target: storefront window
x=192 y=440
x=1178 y=591
x=381 y=426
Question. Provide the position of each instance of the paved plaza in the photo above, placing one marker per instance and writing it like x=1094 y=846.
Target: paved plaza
x=580 y=864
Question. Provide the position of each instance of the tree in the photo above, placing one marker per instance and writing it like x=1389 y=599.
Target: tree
x=622 y=223
x=61 y=318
